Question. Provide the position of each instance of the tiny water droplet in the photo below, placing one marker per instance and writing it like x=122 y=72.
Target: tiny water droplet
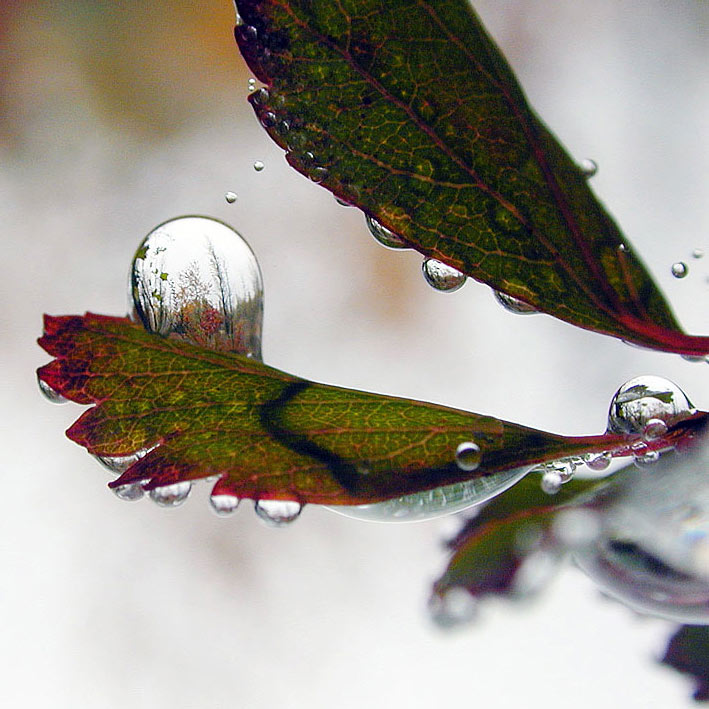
x=261 y=97
x=513 y=305
x=654 y=429
x=454 y=607
x=693 y=358
x=647 y=458
x=588 y=167
x=599 y=463
x=623 y=248
x=130 y=492
x=468 y=456
x=268 y=120
x=551 y=482
x=224 y=505
x=239 y=19
x=250 y=33
x=441 y=276
x=50 y=394
x=342 y=202
x=230 y=197
x=698 y=253
x=278 y=513
x=644 y=398
x=196 y=279
x=252 y=85
x=384 y=236
x=258 y=165
x=171 y=495
x=679 y=269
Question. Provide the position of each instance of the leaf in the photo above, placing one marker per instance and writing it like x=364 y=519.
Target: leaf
x=688 y=652
x=266 y=433
x=408 y=110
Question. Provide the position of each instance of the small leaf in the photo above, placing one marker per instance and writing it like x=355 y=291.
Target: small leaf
x=408 y=110
x=688 y=652
x=266 y=433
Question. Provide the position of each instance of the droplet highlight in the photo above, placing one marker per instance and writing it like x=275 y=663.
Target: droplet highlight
x=278 y=513
x=441 y=276
x=468 y=456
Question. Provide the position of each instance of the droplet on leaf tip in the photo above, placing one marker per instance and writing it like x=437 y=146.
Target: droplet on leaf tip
x=278 y=513
x=171 y=495
x=49 y=393
x=224 y=505
x=441 y=276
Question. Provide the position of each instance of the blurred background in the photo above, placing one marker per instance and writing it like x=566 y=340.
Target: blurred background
x=117 y=116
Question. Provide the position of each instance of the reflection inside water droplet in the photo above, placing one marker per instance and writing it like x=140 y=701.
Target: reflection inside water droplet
x=679 y=269
x=196 y=279
x=514 y=305
x=654 y=429
x=441 y=276
x=278 y=513
x=384 y=236
x=171 y=495
x=49 y=393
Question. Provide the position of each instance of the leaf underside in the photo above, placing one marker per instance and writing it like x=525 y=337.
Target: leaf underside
x=408 y=110
x=268 y=434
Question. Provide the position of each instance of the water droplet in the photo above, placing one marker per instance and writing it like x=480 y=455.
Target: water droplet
x=50 y=394
x=258 y=165
x=598 y=463
x=384 y=236
x=698 y=253
x=278 y=513
x=239 y=19
x=252 y=85
x=230 y=197
x=513 y=305
x=646 y=458
x=588 y=167
x=693 y=358
x=261 y=97
x=468 y=456
x=654 y=429
x=441 y=276
x=120 y=463
x=644 y=398
x=250 y=33
x=454 y=607
x=342 y=202
x=623 y=248
x=130 y=492
x=318 y=173
x=196 y=279
x=551 y=482
x=679 y=269
x=224 y=505
x=171 y=495
x=268 y=120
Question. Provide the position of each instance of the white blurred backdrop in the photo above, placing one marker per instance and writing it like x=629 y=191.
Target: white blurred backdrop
x=117 y=116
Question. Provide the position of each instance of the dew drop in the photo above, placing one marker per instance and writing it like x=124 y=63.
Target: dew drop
x=384 y=236
x=679 y=269
x=551 y=482
x=261 y=97
x=698 y=253
x=441 y=276
x=239 y=19
x=130 y=492
x=278 y=513
x=251 y=85
x=598 y=463
x=196 y=279
x=318 y=174
x=588 y=167
x=646 y=458
x=230 y=197
x=468 y=456
x=514 y=305
x=342 y=202
x=268 y=120
x=50 y=394
x=224 y=505
x=454 y=607
x=258 y=165
x=171 y=495
x=644 y=398
x=120 y=463
x=654 y=429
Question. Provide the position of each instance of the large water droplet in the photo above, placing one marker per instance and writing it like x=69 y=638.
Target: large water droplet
x=196 y=279
x=679 y=269
x=384 y=236
x=468 y=456
x=440 y=501
x=224 y=505
x=441 y=276
x=171 y=495
x=50 y=394
x=278 y=513
x=644 y=398
x=514 y=305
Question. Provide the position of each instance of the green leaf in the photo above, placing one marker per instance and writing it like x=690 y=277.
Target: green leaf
x=688 y=652
x=408 y=110
x=268 y=434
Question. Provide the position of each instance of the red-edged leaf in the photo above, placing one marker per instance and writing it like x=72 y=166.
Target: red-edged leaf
x=266 y=433
x=688 y=652
x=407 y=109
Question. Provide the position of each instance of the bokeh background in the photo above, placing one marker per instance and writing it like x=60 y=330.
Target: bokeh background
x=117 y=116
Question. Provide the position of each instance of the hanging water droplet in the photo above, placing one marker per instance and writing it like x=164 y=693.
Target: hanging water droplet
x=120 y=463
x=598 y=463
x=130 y=492
x=646 y=458
x=196 y=279
x=513 y=305
x=230 y=197
x=384 y=236
x=171 y=495
x=278 y=513
x=224 y=505
x=644 y=398
x=679 y=269
x=654 y=429
x=551 y=482
x=468 y=456
x=251 y=85
x=588 y=167
x=50 y=394
x=454 y=607
x=441 y=276
x=698 y=253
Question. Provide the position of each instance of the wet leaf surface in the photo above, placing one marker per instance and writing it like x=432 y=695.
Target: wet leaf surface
x=266 y=433
x=688 y=652
x=408 y=110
